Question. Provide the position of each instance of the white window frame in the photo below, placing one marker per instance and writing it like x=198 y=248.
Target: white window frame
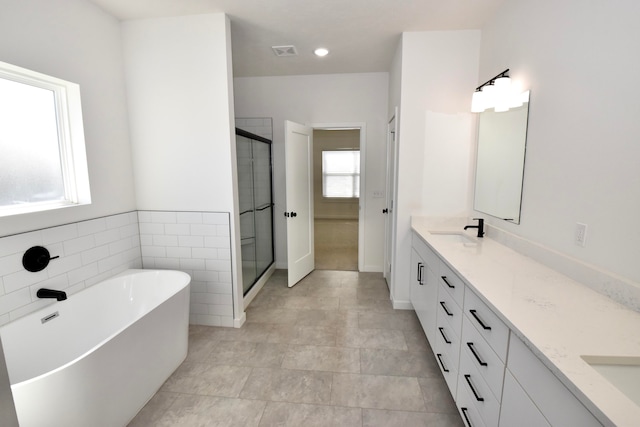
x=71 y=142
x=356 y=177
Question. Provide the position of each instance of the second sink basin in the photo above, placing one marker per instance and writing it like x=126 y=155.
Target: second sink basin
x=621 y=372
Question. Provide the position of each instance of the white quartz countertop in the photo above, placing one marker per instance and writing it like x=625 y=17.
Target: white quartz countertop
x=558 y=318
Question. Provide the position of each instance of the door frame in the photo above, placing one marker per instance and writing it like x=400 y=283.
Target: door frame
x=390 y=186
x=362 y=127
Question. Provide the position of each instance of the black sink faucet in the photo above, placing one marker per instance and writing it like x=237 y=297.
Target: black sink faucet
x=51 y=293
x=480 y=226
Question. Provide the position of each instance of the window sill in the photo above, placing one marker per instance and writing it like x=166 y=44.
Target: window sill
x=28 y=208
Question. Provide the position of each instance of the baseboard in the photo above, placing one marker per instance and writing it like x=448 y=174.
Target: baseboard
x=402 y=305
x=372 y=269
x=238 y=322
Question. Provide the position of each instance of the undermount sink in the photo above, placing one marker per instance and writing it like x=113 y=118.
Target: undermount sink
x=622 y=372
x=454 y=236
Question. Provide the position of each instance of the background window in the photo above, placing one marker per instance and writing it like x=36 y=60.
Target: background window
x=341 y=173
x=42 y=153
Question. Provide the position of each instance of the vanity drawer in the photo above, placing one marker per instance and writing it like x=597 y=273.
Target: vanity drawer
x=448 y=368
x=451 y=283
x=451 y=311
x=482 y=357
x=467 y=409
x=470 y=380
x=487 y=323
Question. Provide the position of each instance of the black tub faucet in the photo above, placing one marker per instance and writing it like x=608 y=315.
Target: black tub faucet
x=51 y=293
x=480 y=226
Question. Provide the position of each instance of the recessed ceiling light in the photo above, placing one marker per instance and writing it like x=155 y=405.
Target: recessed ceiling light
x=321 y=51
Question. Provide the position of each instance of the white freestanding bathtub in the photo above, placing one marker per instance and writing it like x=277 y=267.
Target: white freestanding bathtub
x=97 y=358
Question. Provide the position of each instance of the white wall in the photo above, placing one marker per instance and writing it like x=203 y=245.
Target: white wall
x=582 y=162
x=334 y=98
x=180 y=93
x=76 y=41
x=439 y=71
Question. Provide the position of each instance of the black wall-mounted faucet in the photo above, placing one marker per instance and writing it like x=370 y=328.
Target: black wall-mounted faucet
x=51 y=293
x=480 y=226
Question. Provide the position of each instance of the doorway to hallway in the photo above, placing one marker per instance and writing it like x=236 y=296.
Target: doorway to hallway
x=336 y=166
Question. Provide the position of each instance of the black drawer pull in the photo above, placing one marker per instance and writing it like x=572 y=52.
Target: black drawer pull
x=446 y=340
x=470 y=345
x=439 y=356
x=419 y=273
x=466 y=419
x=468 y=378
x=444 y=307
x=475 y=316
x=447 y=282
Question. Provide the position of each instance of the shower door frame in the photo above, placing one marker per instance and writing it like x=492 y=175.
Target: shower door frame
x=254 y=137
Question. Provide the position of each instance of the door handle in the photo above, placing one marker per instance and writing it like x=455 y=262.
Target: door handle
x=384 y=211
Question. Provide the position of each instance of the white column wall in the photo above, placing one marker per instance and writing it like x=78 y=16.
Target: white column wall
x=180 y=93
x=439 y=71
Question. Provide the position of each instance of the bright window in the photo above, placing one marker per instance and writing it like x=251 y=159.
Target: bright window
x=341 y=173
x=42 y=153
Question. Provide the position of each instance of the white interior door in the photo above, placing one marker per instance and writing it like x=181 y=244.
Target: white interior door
x=390 y=187
x=298 y=145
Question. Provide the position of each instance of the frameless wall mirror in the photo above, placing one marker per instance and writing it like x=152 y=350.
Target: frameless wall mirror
x=502 y=140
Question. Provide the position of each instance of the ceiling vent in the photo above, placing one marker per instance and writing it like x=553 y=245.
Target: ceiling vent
x=285 y=50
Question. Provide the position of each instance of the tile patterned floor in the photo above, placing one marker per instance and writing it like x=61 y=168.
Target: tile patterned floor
x=328 y=352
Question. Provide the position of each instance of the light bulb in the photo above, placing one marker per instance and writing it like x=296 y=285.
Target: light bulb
x=321 y=51
x=477 y=102
x=502 y=94
x=488 y=96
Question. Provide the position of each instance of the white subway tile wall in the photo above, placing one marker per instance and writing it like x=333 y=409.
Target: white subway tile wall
x=90 y=251
x=261 y=126
x=199 y=244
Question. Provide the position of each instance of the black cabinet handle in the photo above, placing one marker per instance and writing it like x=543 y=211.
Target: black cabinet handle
x=439 y=356
x=468 y=378
x=447 y=282
x=420 y=273
x=444 y=307
x=475 y=316
x=446 y=340
x=384 y=211
x=480 y=361
x=466 y=419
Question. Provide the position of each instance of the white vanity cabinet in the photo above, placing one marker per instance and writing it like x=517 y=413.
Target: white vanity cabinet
x=556 y=404
x=423 y=289
x=493 y=376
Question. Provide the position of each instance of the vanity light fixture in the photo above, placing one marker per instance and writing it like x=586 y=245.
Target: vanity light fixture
x=321 y=51
x=496 y=93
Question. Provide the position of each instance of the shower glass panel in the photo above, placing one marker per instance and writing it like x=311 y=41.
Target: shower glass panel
x=256 y=206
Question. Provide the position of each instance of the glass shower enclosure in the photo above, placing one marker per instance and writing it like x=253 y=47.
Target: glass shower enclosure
x=256 y=206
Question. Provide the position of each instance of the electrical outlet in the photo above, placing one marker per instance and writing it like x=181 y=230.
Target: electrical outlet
x=581 y=234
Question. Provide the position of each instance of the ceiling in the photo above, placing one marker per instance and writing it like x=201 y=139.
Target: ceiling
x=362 y=35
